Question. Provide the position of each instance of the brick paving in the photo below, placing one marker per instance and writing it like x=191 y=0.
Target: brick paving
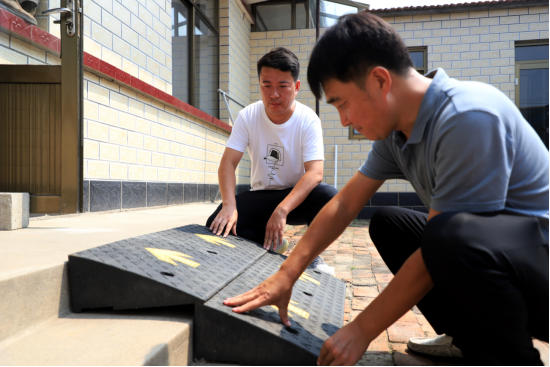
x=358 y=263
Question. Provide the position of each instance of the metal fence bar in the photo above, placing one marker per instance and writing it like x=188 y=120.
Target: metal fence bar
x=225 y=97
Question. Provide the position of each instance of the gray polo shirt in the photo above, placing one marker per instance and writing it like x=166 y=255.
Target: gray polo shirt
x=470 y=150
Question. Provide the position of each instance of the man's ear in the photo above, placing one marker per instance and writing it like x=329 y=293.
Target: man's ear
x=378 y=81
x=297 y=86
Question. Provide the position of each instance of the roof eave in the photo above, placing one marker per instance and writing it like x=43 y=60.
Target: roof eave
x=458 y=8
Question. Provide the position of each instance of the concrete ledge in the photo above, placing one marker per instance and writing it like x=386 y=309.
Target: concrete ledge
x=14 y=210
x=160 y=336
x=32 y=298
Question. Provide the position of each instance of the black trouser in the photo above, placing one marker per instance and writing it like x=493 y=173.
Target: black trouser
x=255 y=209
x=490 y=274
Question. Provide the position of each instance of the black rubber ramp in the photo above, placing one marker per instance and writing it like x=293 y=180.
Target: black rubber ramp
x=178 y=266
x=258 y=337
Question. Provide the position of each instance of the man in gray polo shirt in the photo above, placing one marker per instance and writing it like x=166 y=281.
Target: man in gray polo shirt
x=477 y=264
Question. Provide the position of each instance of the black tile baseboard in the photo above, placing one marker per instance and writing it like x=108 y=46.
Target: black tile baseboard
x=105 y=195
x=86 y=196
x=175 y=193
x=190 y=193
x=134 y=195
x=112 y=195
x=157 y=194
x=407 y=200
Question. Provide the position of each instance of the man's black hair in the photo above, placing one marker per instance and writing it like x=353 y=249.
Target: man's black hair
x=282 y=59
x=352 y=47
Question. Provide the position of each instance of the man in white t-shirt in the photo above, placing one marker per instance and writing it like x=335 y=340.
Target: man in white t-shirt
x=285 y=143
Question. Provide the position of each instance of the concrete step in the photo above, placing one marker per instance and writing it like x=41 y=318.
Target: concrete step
x=37 y=325
x=32 y=298
x=140 y=337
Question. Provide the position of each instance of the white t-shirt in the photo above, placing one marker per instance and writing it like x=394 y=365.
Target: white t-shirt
x=277 y=152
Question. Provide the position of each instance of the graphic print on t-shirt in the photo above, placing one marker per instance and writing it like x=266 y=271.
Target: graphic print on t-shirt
x=275 y=156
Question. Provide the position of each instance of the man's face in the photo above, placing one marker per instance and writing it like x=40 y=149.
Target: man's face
x=278 y=90
x=365 y=109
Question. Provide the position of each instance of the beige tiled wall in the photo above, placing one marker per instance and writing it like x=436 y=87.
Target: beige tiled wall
x=133 y=35
x=128 y=136
x=234 y=57
x=475 y=45
x=15 y=51
x=469 y=46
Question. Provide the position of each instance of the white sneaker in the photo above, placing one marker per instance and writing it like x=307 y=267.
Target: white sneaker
x=440 y=346
x=320 y=265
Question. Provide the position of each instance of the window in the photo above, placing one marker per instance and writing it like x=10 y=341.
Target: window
x=531 y=81
x=195 y=53
x=419 y=56
x=277 y=15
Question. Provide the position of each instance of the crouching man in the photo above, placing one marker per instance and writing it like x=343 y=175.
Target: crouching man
x=477 y=264
x=285 y=143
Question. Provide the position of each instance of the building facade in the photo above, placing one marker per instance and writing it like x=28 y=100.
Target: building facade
x=154 y=126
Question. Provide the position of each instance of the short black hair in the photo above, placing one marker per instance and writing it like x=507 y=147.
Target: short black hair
x=348 y=50
x=282 y=59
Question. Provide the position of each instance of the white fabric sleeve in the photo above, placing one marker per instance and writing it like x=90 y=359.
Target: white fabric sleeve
x=238 y=140
x=312 y=147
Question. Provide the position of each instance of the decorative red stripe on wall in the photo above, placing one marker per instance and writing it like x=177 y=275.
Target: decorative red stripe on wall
x=16 y=25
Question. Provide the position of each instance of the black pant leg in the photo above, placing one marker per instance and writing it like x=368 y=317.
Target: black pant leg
x=494 y=269
x=312 y=205
x=397 y=233
x=254 y=209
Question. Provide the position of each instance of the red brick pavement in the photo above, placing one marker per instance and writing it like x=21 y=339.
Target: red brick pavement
x=358 y=263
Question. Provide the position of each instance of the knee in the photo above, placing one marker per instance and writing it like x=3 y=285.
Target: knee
x=446 y=240
x=382 y=221
x=324 y=192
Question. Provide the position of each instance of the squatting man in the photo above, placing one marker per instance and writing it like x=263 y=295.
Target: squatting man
x=285 y=143
x=477 y=264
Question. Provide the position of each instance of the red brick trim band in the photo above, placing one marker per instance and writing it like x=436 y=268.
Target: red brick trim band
x=16 y=25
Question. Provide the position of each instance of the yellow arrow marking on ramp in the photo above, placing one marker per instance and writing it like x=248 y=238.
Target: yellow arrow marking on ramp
x=296 y=310
x=307 y=278
x=215 y=240
x=169 y=257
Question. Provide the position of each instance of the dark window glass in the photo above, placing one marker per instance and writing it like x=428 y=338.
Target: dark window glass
x=525 y=53
x=180 y=52
x=417 y=58
x=330 y=12
x=206 y=68
x=273 y=17
x=312 y=13
x=210 y=9
x=533 y=99
x=301 y=15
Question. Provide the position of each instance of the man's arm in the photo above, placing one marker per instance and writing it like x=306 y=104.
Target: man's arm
x=331 y=221
x=411 y=283
x=227 y=217
x=276 y=224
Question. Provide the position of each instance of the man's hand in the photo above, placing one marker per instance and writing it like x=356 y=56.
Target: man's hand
x=275 y=229
x=345 y=347
x=226 y=218
x=275 y=290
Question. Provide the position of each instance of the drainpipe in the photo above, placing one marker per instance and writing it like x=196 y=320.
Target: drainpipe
x=336 y=167
x=317 y=20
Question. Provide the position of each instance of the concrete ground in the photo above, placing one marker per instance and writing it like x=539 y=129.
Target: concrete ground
x=358 y=263
x=49 y=240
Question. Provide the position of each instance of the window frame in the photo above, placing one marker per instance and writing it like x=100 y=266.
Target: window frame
x=423 y=49
x=351 y=133
x=359 y=7
x=194 y=10
x=527 y=64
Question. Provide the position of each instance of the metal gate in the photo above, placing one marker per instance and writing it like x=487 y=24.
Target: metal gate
x=41 y=124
